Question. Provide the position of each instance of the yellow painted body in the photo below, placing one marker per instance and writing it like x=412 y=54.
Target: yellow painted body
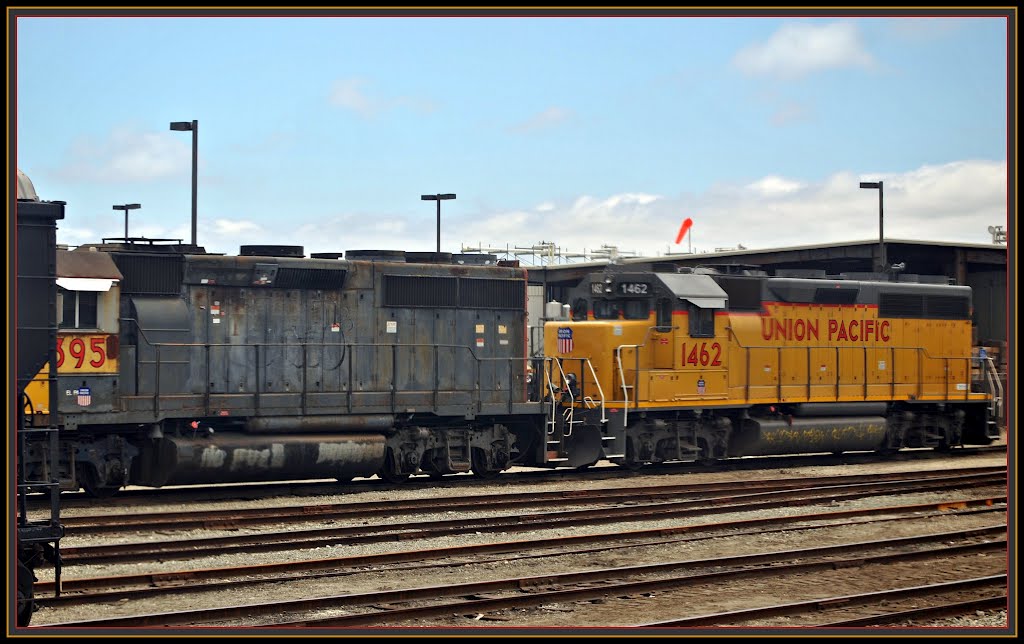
x=787 y=354
x=87 y=354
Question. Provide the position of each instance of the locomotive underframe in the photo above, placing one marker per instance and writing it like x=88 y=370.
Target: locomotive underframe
x=688 y=435
x=175 y=451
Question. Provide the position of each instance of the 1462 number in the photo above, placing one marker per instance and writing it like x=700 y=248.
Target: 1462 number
x=704 y=355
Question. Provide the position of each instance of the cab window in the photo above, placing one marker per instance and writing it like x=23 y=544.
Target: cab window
x=606 y=310
x=79 y=309
x=636 y=309
x=664 y=314
x=579 y=309
x=702 y=322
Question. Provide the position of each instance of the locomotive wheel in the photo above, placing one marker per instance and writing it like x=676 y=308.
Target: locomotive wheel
x=630 y=463
x=88 y=480
x=26 y=602
x=479 y=466
x=389 y=471
x=704 y=457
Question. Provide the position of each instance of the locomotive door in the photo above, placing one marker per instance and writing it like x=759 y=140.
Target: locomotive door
x=703 y=356
x=662 y=335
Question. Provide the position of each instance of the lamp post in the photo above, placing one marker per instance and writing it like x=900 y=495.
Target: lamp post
x=185 y=126
x=126 y=207
x=881 y=235
x=438 y=198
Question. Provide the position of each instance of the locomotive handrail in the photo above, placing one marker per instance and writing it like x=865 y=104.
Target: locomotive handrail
x=922 y=354
x=622 y=378
x=572 y=398
x=550 y=424
x=995 y=385
x=347 y=347
x=636 y=370
x=600 y=390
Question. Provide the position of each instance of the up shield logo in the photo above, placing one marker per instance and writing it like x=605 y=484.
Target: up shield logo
x=564 y=340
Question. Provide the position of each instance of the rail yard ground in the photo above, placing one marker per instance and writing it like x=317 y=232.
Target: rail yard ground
x=848 y=570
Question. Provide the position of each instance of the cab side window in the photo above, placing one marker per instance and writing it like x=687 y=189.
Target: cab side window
x=636 y=309
x=606 y=310
x=702 y=322
x=579 y=309
x=664 y=312
x=79 y=309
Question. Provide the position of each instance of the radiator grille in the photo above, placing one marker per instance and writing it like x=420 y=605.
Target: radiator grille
x=150 y=274
x=313 y=278
x=452 y=292
x=947 y=307
x=936 y=307
x=434 y=292
x=491 y=294
x=835 y=296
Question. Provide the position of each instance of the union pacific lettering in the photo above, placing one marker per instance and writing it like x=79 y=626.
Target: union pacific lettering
x=835 y=330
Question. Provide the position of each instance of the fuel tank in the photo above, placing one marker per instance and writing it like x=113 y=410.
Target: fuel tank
x=234 y=458
x=763 y=437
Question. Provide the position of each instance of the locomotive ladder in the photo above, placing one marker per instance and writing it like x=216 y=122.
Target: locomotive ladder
x=995 y=387
x=569 y=420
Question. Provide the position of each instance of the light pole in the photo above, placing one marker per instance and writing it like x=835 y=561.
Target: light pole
x=438 y=198
x=126 y=207
x=881 y=234
x=185 y=126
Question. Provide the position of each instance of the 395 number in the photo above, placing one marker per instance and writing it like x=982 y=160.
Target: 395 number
x=703 y=354
x=77 y=351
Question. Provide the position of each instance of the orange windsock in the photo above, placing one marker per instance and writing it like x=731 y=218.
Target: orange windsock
x=682 y=229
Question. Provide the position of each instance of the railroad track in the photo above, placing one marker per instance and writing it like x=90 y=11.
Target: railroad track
x=666 y=515
x=214 y=519
x=406 y=605
x=225 y=492
x=631 y=509
x=135 y=586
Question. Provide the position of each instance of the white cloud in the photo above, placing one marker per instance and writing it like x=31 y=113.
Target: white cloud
x=348 y=93
x=953 y=202
x=791 y=112
x=235 y=227
x=772 y=186
x=127 y=155
x=798 y=49
x=549 y=117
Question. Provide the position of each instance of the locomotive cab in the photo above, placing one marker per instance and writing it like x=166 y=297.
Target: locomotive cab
x=656 y=338
x=88 y=348
x=649 y=336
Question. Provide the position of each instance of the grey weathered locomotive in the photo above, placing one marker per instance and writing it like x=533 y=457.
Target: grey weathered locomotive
x=181 y=367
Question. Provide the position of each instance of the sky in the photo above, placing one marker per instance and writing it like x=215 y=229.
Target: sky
x=580 y=132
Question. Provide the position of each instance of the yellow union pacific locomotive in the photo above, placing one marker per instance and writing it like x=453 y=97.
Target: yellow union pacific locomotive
x=656 y=366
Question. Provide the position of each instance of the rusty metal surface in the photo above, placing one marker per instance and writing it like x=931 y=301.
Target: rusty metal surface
x=229 y=458
x=285 y=424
